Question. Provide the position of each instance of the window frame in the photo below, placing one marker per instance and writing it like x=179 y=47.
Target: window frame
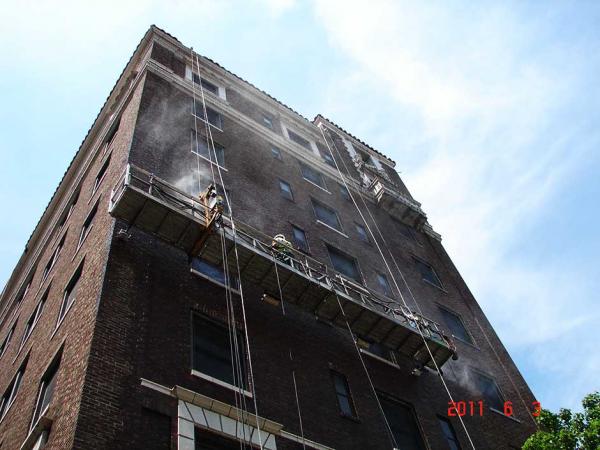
x=345 y=192
x=314 y=202
x=410 y=408
x=362 y=237
x=447 y=310
x=381 y=276
x=276 y=153
x=449 y=439
x=48 y=378
x=73 y=282
x=53 y=258
x=482 y=375
x=289 y=194
x=101 y=174
x=219 y=149
x=34 y=318
x=418 y=260
x=8 y=338
x=210 y=277
x=267 y=121
x=348 y=394
x=209 y=111
x=361 y=279
x=87 y=225
x=195 y=315
x=309 y=144
x=321 y=176
x=8 y=398
x=295 y=241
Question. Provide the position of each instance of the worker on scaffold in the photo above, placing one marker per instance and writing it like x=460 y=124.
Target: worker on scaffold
x=282 y=249
x=213 y=202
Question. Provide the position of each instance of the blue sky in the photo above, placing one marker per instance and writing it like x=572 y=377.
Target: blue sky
x=490 y=111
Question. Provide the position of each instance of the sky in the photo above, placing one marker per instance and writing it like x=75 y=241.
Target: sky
x=490 y=110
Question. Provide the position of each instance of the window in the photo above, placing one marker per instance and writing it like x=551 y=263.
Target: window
x=206 y=85
x=201 y=149
x=405 y=230
x=212 y=351
x=328 y=158
x=299 y=140
x=449 y=433
x=362 y=232
x=111 y=135
x=33 y=320
x=267 y=121
x=24 y=291
x=427 y=273
x=46 y=389
x=70 y=293
x=456 y=326
x=344 y=264
x=69 y=211
x=286 y=190
x=376 y=349
x=326 y=215
x=101 y=174
x=403 y=424
x=312 y=175
x=344 y=192
x=53 y=258
x=213 y=271
x=342 y=392
x=205 y=440
x=11 y=391
x=7 y=339
x=87 y=225
x=384 y=285
x=214 y=118
x=488 y=390
x=276 y=153
x=299 y=237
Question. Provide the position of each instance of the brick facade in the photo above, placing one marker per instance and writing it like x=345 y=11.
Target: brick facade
x=131 y=320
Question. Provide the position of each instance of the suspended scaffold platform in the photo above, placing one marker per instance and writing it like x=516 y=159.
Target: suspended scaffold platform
x=156 y=206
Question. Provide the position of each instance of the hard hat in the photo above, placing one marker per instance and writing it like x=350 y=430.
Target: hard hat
x=279 y=236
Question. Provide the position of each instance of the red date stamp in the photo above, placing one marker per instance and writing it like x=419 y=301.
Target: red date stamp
x=476 y=408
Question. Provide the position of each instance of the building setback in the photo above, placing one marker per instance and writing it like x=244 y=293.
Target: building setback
x=139 y=316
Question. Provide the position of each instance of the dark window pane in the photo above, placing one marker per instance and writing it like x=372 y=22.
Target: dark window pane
x=489 y=391
x=428 y=273
x=344 y=264
x=87 y=225
x=344 y=192
x=267 y=121
x=362 y=232
x=70 y=293
x=456 y=326
x=403 y=424
x=343 y=394
x=286 y=190
x=214 y=118
x=299 y=140
x=206 y=85
x=276 y=152
x=328 y=159
x=312 y=175
x=384 y=285
x=205 y=440
x=300 y=238
x=202 y=149
x=212 y=351
x=213 y=271
x=327 y=215
x=101 y=173
x=46 y=390
x=449 y=434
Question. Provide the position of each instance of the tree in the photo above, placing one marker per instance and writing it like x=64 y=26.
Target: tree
x=568 y=431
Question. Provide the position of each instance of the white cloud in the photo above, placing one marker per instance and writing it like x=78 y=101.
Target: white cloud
x=494 y=149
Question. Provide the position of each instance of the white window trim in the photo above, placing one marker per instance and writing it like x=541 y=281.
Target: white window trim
x=222 y=91
x=313 y=145
x=221 y=383
x=201 y=119
x=315 y=184
x=378 y=358
x=209 y=161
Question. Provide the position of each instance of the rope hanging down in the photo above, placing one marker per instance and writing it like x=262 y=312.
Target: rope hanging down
x=390 y=272
x=234 y=344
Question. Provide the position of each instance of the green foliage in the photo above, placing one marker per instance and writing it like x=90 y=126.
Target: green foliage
x=568 y=431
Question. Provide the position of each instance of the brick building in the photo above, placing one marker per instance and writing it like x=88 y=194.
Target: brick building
x=140 y=317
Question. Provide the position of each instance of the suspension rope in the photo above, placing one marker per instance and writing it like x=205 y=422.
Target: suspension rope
x=237 y=260
x=391 y=273
x=239 y=396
